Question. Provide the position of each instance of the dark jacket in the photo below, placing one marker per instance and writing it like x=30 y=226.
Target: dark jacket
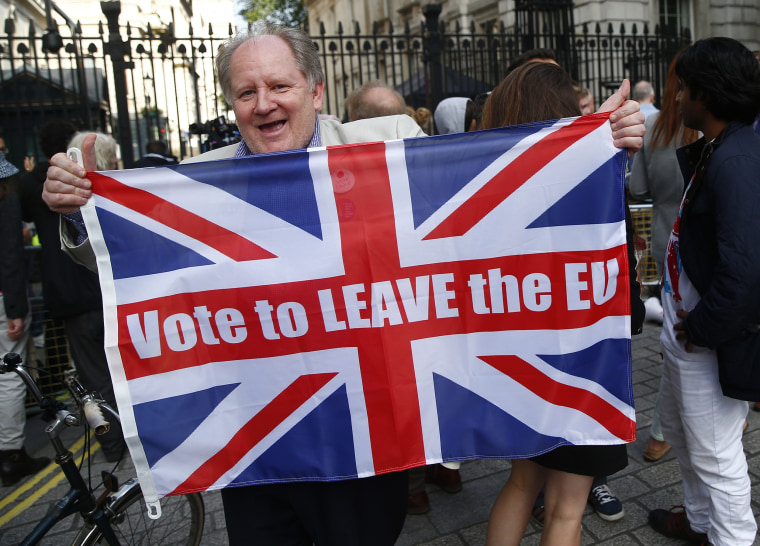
x=637 y=306
x=12 y=259
x=68 y=288
x=720 y=226
x=155 y=160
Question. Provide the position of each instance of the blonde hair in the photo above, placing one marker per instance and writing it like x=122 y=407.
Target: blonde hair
x=105 y=149
x=422 y=115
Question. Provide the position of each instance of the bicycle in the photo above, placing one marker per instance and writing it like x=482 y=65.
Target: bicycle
x=117 y=516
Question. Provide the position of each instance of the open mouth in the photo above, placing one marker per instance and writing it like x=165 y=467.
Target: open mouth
x=272 y=127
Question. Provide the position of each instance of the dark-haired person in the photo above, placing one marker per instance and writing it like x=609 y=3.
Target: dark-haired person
x=711 y=297
x=156 y=155
x=538 y=55
x=535 y=92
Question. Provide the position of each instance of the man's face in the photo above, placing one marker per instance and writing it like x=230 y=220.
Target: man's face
x=587 y=105
x=274 y=107
x=692 y=110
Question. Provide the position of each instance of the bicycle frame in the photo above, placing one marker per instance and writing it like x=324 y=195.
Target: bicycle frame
x=79 y=498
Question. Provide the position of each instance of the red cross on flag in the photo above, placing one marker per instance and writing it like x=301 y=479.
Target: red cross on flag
x=353 y=310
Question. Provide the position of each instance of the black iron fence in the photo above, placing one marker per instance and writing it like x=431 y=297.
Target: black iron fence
x=139 y=84
x=144 y=83
x=434 y=61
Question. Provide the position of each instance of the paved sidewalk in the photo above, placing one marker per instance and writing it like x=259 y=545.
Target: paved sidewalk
x=460 y=519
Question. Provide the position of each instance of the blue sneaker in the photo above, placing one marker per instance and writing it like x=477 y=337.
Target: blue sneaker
x=607 y=505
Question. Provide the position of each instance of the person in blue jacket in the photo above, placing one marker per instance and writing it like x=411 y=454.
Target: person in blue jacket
x=711 y=296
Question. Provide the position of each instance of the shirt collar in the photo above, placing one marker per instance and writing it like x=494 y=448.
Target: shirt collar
x=315 y=142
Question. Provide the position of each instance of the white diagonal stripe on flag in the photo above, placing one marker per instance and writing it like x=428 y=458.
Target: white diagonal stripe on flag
x=466 y=369
x=260 y=379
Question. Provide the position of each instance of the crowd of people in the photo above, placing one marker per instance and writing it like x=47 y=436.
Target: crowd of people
x=71 y=295
x=701 y=243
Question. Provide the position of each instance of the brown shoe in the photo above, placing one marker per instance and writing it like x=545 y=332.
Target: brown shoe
x=445 y=478
x=417 y=504
x=655 y=450
x=675 y=524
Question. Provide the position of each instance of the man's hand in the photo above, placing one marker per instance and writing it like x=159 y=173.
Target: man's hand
x=626 y=120
x=15 y=328
x=66 y=188
x=681 y=331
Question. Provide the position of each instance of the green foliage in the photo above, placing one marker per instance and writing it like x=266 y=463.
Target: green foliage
x=291 y=13
x=151 y=112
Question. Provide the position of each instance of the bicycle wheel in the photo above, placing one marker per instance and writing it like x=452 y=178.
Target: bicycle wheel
x=181 y=522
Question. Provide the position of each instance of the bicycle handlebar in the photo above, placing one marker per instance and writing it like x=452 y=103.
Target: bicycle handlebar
x=11 y=362
x=94 y=415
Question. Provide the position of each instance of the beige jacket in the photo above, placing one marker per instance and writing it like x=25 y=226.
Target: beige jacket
x=332 y=133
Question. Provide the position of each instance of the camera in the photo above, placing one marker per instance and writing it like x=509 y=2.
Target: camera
x=218 y=132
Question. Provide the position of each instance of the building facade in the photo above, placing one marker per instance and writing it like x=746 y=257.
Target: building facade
x=599 y=42
x=168 y=82
x=19 y=14
x=739 y=19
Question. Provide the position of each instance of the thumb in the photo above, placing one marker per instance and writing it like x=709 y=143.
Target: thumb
x=617 y=99
x=88 y=152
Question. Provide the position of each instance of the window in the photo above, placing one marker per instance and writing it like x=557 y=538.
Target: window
x=675 y=14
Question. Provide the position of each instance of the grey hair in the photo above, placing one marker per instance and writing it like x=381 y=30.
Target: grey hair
x=105 y=148
x=359 y=108
x=642 y=91
x=304 y=52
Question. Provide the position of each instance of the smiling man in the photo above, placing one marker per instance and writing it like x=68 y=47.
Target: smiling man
x=272 y=77
x=274 y=100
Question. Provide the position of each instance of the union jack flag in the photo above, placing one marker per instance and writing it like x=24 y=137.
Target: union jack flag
x=352 y=310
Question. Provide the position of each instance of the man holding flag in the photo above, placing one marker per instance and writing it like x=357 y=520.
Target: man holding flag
x=273 y=79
